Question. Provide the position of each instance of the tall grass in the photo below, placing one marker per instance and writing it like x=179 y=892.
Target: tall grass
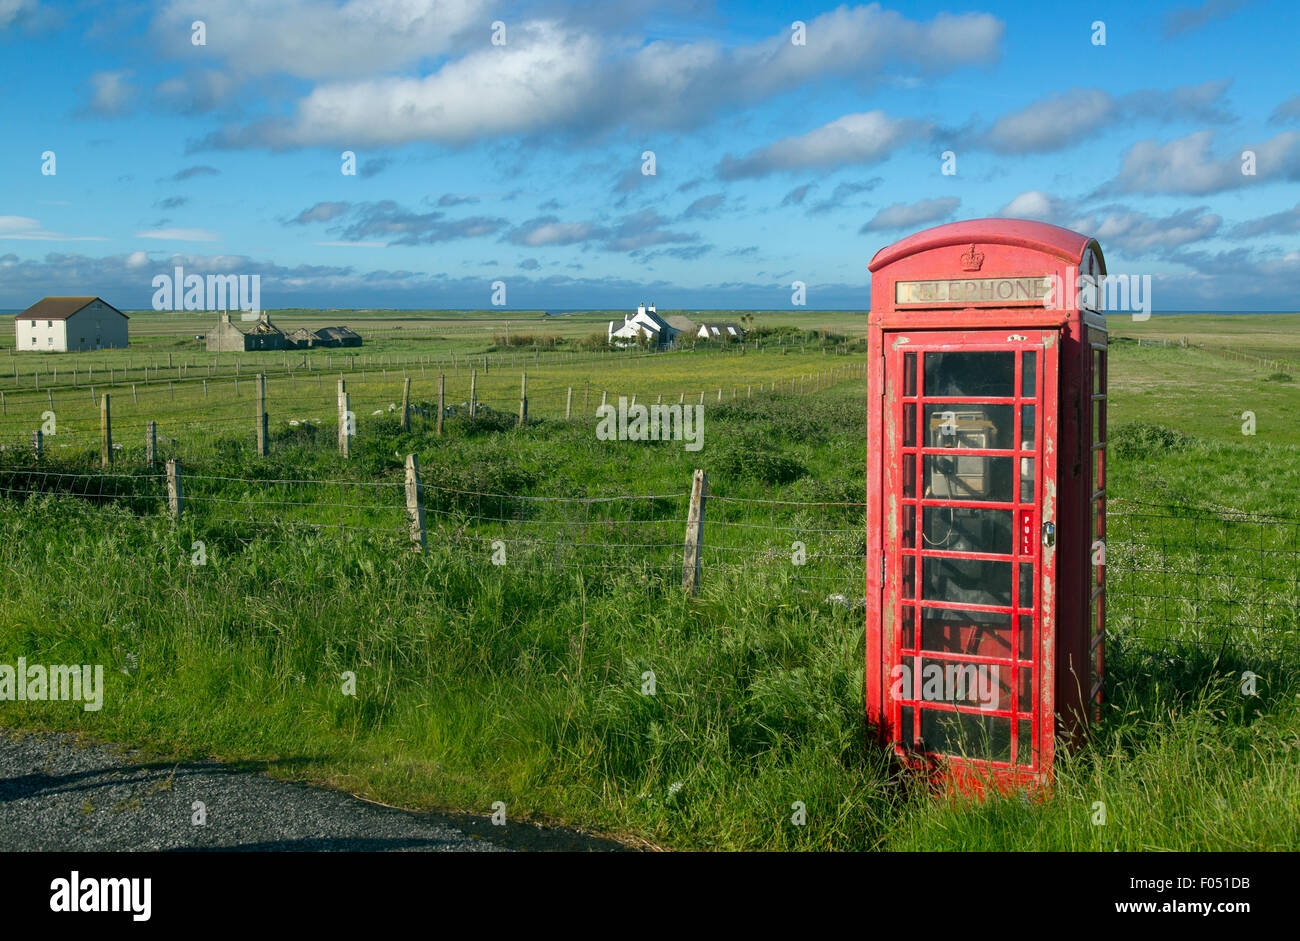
x=530 y=683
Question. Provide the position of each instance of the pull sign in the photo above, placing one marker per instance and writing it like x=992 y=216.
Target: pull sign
x=1026 y=532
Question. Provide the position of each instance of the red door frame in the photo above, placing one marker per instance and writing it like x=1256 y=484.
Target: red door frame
x=885 y=487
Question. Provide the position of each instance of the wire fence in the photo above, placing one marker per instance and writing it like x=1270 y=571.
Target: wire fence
x=189 y=416
x=1204 y=577
x=1209 y=577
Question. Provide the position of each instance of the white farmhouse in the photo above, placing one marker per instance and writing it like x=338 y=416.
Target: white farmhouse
x=644 y=322
x=60 y=324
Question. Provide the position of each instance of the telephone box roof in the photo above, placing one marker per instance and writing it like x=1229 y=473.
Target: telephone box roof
x=1037 y=236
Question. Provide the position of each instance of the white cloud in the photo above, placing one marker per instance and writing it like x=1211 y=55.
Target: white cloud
x=1059 y=121
x=552 y=78
x=16 y=12
x=1051 y=123
x=550 y=231
x=1136 y=233
x=910 y=215
x=110 y=94
x=180 y=235
x=853 y=139
x=1186 y=165
x=22 y=228
x=319 y=39
x=1033 y=204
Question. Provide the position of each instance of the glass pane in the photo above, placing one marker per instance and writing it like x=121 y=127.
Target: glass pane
x=979 y=479
x=908 y=535
x=909 y=425
x=906 y=733
x=966 y=581
x=957 y=683
x=909 y=475
x=960 y=529
x=962 y=733
x=1025 y=743
x=974 y=373
x=907 y=627
x=1026 y=480
x=909 y=576
x=1025 y=691
x=1027 y=427
x=1029 y=374
x=954 y=630
x=1026 y=637
x=950 y=425
x=1026 y=584
x=909 y=374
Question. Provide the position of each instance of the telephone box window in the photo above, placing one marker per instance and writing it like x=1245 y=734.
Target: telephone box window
x=970 y=374
x=972 y=478
x=954 y=425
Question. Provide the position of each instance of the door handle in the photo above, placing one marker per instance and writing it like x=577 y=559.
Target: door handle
x=1049 y=534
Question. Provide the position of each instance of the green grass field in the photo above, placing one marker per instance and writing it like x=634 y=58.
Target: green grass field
x=524 y=682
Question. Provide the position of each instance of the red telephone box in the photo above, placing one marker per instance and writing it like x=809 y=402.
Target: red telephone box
x=985 y=498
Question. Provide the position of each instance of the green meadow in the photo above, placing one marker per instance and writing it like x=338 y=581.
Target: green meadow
x=526 y=682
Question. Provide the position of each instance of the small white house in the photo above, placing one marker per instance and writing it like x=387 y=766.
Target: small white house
x=645 y=321
x=720 y=331
x=60 y=324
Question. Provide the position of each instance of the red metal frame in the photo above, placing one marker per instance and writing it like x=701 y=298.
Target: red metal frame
x=1066 y=609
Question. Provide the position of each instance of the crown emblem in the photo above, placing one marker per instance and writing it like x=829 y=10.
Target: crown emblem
x=972 y=260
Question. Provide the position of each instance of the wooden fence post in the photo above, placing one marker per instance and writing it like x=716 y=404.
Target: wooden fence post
x=105 y=431
x=473 y=392
x=38 y=440
x=692 y=563
x=442 y=390
x=345 y=442
x=523 y=398
x=586 y=395
x=406 y=404
x=151 y=443
x=568 y=404
x=175 y=499
x=261 y=415
x=415 y=501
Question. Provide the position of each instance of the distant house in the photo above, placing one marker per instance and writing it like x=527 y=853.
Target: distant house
x=303 y=339
x=337 y=336
x=644 y=323
x=60 y=324
x=225 y=337
x=720 y=331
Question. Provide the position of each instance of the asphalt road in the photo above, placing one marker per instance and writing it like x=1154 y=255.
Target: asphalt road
x=58 y=794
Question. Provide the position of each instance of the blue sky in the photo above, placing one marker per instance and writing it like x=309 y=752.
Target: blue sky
x=522 y=161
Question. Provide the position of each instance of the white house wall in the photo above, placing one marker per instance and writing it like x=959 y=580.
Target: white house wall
x=40 y=335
